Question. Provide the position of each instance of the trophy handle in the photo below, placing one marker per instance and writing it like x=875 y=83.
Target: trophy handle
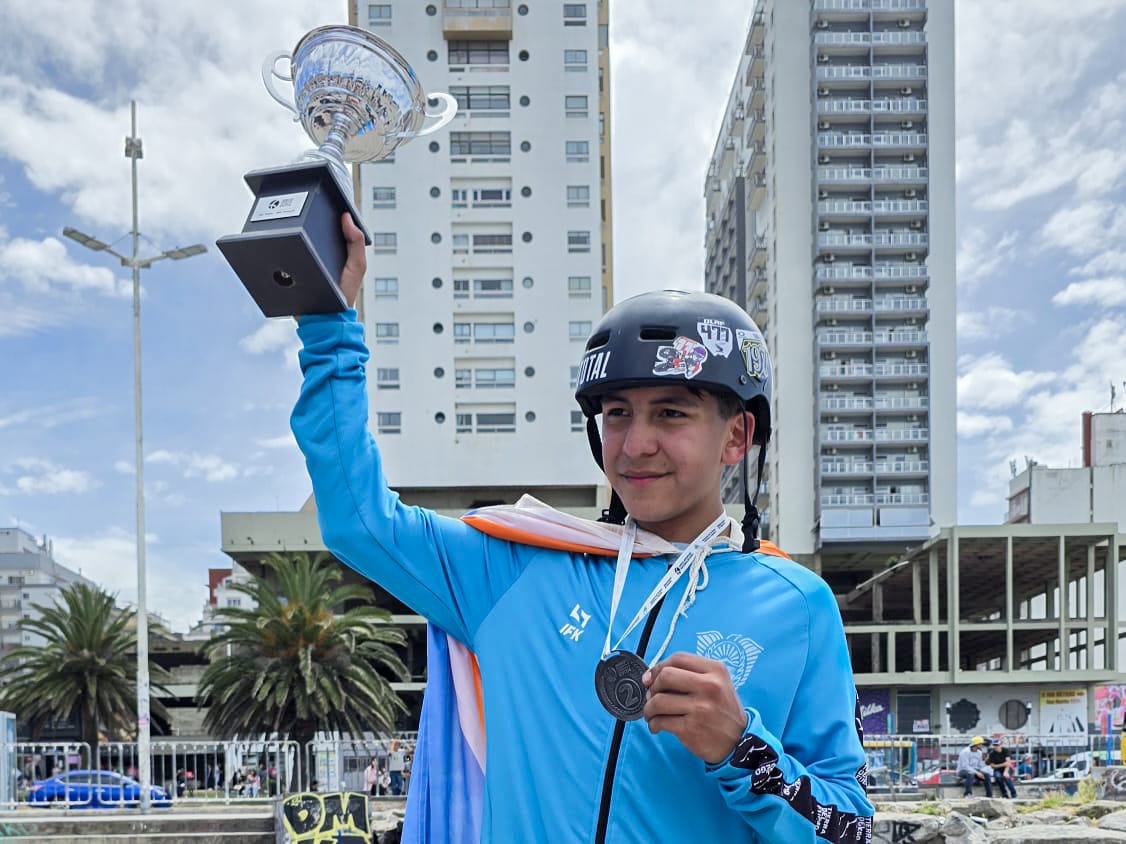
x=441 y=118
x=270 y=71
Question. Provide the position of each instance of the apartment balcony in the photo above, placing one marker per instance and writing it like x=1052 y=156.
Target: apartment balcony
x=844 y=339
x=844 y=241
x=756 y=93
x=756 y=67
x=900 y=271
x=899 y=72
x=901 y=402
x=842 y=5
x=842 y=39
x=844 y=140
x=855 y=467
x=900 y=175
x=844 y=208
x=903 y=371
x=900 y=140
x=903 y=239
x=902 y=435
x=465 y=24
x=892 y=207
x=863 y=436
x=845 y=404
x=907 y=106
x=845 y=372
x=843 y=305
x=903 y=467
x=758 y=283
x=847 y=272
x=902 y=498
x=760 y=311
x=894 y=38
x=845 y=175
x=842 y=105
x=841 y=73
x=854 y=499
x=757 y=248
x=899 y=5
x=901 y=305
x=756 y=128
x=757 y=158
x=756 y=189
x=901 y=339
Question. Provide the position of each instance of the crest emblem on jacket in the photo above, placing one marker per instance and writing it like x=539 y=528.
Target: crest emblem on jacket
x=738 y=653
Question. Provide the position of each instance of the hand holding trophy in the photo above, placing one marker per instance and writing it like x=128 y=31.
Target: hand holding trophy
x=359 y=100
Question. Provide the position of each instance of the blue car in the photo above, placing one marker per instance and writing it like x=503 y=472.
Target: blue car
x=93 y=790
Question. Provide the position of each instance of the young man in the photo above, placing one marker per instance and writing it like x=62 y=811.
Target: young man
x=971 y=766
x=1001 y=762
x=726 y=713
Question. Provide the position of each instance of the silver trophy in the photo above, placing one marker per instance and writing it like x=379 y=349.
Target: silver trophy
x=359 y=100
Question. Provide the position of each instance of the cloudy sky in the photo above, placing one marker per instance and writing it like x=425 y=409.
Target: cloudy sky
x=1041 y=232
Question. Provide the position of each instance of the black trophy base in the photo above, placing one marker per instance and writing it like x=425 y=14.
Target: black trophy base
x=291 y=250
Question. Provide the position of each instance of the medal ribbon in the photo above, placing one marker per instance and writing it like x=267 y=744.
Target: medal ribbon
x=689 y=558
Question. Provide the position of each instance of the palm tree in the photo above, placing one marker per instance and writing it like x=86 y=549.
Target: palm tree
x=312 y=655
x=86 y=668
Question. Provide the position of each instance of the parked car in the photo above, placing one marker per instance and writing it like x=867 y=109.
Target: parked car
x=94 y=790
x=938 y=776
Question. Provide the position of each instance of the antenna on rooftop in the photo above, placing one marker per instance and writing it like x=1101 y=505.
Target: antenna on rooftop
x=1012 y=468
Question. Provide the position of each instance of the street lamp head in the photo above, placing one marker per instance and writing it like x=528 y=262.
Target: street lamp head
x=85 y=239
x=134 y=148
x=179 y=253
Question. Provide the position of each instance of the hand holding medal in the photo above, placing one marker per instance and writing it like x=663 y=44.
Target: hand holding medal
x=618 y=675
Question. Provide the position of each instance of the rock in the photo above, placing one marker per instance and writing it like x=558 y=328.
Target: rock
x=1056 y=834
x=958 y=829
x=894 y=827
x=981 y=807
x=1098 y=808
x=1115 y=821
x=1043 y=817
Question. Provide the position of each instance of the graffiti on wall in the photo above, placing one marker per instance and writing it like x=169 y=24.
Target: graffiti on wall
x=338 y=818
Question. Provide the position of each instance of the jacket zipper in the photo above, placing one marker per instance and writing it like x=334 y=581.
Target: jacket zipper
x=616 y=741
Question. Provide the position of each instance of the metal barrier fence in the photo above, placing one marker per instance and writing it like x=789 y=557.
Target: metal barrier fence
x=33 y=762
x=341 y=765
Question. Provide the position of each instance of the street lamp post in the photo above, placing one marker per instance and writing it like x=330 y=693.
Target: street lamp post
x=134 y=152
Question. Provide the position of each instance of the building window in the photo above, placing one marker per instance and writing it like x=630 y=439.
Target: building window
x=481 y=197
x=579 y=329
x=478 y=4
x=387 y=332
x=578 y=241
x=494 y=332
x=578 y=151
x=384 y=242
x=379 y=14
x=483 y=146
x=499 y=419
x=574 y=377
x=601 y=126
x=578 y=422
x=461 y=288
x=460 y=244
x=492 y=244
x=578 y=196
x=603 y=36
x=578 y=286
x=574 y=14
x=478 y=52
x=481 y=97
x=387 y=379
x=234 y=602
x=389 y=423
x=575 y=105
x=488 y=379
x=385 y=288
x=574 y=60
x=463 y=378
x=463 y=332
x=382 y=197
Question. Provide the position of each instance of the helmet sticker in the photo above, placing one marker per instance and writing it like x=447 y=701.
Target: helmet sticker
x=684 y=357
x=755 y=356
x=593 y=367
x=716 y=336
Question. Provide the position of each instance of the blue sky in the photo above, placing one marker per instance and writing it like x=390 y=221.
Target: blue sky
x=1042 y=242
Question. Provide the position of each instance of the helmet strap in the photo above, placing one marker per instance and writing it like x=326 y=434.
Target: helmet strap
x=615 y=514
x=751 y=517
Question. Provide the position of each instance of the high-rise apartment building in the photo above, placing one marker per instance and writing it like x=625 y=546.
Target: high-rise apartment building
x=491 y=258
x=30 y=577
x=830 y=217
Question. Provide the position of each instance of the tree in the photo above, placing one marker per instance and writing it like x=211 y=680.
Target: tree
x=86 y=669
x=312 y=656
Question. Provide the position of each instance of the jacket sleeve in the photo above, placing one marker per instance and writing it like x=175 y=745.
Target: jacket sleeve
x=809 y=785
x=443 y=569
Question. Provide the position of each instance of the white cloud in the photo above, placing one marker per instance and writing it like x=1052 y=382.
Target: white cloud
x=194 y=465
x=284 y=441
x=982 y=256
x=53 y=415
x=124 y=467
x=994 y=321
x=1104 y=292
x=991 y=383
x=36 y=476
x=275 y=335
x=976 y=424
x=44 y=266
x=1087 y=228
x=176 y=587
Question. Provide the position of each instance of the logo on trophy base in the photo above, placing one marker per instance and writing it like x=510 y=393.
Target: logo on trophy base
x=359 y=100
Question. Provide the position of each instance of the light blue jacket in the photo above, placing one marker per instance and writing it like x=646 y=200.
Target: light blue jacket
x=796 y=776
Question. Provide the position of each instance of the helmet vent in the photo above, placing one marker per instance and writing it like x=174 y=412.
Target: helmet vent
x=658 y=332
x=598 y=340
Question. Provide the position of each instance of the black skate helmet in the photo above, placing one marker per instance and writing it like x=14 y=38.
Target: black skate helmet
x=699 y=340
